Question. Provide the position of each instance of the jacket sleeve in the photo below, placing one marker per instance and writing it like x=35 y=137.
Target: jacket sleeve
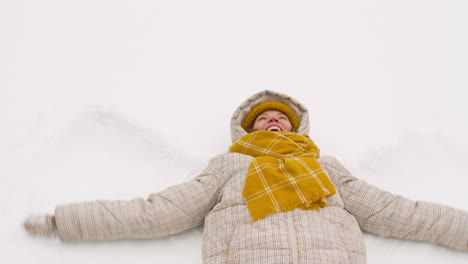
x=386 y=214
x=173 y=210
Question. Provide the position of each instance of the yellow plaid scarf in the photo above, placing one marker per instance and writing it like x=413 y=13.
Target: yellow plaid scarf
x=284 y=175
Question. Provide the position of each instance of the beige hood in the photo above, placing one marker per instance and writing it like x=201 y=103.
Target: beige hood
x=267 y=96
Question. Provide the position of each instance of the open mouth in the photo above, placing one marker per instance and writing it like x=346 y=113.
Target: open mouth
x=274 y=129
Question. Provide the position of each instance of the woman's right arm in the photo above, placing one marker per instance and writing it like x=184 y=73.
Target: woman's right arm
x=171 y=211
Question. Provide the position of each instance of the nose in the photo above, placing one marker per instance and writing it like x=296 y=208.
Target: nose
x=272 y=119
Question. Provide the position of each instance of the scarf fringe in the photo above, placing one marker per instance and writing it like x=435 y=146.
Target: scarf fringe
x=260 y=213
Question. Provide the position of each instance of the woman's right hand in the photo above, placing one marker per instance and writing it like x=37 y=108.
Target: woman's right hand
x=41 y=225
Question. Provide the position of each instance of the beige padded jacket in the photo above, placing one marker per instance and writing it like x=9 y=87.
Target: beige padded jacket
x=331 y=235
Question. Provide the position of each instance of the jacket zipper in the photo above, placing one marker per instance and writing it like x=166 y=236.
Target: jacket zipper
x=293 y=238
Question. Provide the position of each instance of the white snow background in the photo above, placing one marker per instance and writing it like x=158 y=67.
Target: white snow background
x=118 y=99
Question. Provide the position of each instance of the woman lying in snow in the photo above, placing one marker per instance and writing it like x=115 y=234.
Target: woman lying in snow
x=270 y=199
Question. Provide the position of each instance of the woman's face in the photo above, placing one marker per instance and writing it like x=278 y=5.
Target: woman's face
x=272 y=120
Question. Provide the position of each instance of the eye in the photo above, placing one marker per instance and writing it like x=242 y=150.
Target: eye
x=261 y=118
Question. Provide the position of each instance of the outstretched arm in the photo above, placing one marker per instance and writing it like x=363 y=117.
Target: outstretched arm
x=171 y=211
x=386 y=214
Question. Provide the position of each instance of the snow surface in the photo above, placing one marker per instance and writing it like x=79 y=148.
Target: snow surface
x=117 y=99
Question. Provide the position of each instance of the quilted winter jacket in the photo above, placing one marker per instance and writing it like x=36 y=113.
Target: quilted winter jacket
x=330 y=235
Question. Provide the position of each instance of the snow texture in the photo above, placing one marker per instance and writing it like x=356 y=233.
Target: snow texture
x=118 y=99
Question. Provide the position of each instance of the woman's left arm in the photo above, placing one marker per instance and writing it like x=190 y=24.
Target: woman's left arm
x=386 y=214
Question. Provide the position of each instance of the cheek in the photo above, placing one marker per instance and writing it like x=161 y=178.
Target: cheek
x=287 y=124
x=257 y=124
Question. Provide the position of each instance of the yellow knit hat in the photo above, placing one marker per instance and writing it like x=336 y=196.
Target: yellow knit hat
x=265 y=106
